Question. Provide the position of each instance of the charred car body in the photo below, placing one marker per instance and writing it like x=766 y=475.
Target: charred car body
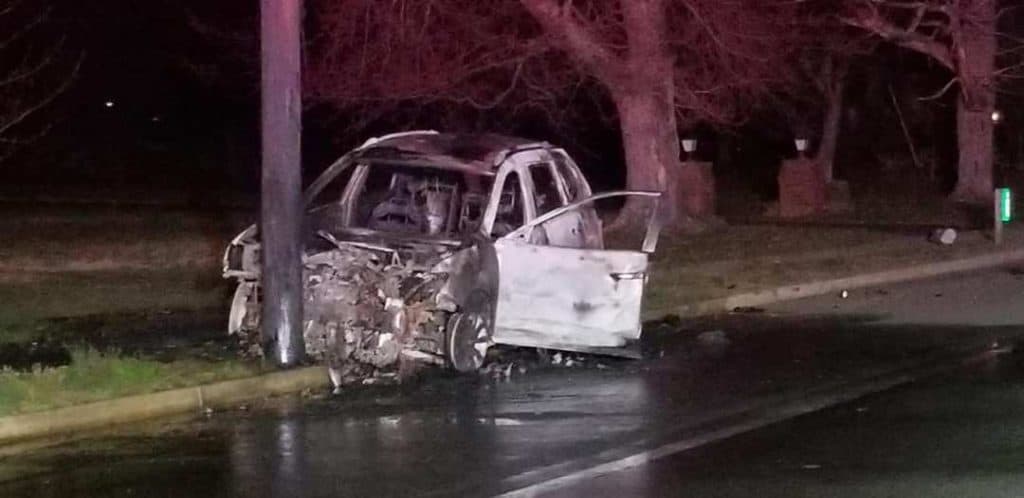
x=431 y=247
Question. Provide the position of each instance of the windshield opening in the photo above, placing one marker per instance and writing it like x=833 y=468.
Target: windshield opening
x=419 y=200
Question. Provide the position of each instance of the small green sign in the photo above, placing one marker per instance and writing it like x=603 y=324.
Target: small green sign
x=1005 y=204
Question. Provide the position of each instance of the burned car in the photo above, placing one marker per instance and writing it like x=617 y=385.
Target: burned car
x=432 y=247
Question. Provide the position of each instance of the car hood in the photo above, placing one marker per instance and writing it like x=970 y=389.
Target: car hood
x=417 y=251
x=420 y=252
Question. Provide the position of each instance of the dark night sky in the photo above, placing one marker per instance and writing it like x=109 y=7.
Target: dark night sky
x=162 y=117
x=142 y=55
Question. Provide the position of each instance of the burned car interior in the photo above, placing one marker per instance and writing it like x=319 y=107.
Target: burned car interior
x=418 y=200
x=429 y=248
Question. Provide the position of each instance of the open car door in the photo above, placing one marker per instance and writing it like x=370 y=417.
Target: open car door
x=570 y=298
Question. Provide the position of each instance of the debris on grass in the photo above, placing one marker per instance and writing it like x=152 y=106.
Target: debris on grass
x=747 y=309
x=25 y=357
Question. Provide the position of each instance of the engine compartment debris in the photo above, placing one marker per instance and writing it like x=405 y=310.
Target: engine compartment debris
x=366 y=313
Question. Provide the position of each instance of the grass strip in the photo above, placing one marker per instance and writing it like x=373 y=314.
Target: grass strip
x=94 y=376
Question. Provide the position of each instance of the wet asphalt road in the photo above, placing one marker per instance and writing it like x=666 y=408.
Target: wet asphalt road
x=956 y=435
x=478 y=436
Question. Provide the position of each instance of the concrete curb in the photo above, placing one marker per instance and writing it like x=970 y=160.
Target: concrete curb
x=809 y=289
x=195 y=399
x=63 y=421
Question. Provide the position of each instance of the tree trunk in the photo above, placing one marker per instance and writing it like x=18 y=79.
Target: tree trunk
x=830 y=130
x=649 y=137
x=644 y=94
x=975 y=67
x=974 y=170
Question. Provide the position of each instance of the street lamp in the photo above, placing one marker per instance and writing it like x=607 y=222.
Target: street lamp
x=801 y=145
x=689 y=145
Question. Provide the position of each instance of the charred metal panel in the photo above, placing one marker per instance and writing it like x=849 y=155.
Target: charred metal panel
x=376 y=300
x=470 y=269
x=549 y=296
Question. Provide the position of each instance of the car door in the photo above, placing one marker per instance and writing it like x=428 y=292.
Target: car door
x=568 y=298
x=546 y=190
x=549 y=194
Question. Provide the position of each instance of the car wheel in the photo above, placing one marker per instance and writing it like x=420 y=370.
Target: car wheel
x=469 y=333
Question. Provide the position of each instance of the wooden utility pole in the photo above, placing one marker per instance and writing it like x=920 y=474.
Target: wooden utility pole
x=281 y=200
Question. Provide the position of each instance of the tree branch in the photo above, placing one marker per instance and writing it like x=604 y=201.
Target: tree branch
x=942 y=91
x=50 y=97
x=869 y=19
x=25 y=28
x=7 y=9
x=559 y=22
x=27 y=72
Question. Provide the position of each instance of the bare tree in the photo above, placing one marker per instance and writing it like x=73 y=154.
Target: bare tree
x=960 y=36
x=663 y=63
x=827 y=53
x=831 y=84
x=33 y=73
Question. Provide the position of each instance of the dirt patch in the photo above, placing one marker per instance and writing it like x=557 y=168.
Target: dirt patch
x=19 y=277
x=89 y=238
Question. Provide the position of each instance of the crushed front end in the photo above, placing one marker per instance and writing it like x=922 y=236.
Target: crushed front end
x=370 y=311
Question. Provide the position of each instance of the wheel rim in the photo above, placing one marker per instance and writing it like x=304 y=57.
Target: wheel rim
x=469 y=338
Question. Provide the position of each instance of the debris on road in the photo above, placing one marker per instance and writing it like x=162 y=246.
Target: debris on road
x=506 y=363
x=715 y=342
x=943 y=236
x=713 y=338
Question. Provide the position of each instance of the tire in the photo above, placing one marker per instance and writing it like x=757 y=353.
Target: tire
x=468 y=334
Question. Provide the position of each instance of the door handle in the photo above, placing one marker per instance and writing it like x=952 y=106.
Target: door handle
x=636 y=275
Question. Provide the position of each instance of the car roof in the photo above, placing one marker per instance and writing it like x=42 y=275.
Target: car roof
x=476 y=153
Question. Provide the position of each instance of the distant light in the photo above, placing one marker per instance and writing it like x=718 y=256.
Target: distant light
x=109 y=104
x=155 y=119
x=801 y=144
x=997 y=116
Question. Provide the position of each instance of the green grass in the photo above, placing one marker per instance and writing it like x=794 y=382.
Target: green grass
x=95 y=376
x=63 y=262
x=27 y=299
x=750 y=259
